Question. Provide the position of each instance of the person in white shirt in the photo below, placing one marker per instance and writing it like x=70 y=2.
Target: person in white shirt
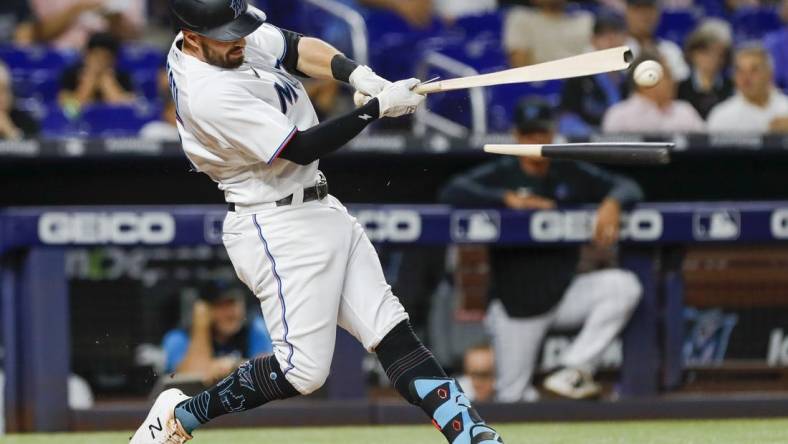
x=653 y=110
x=246 y=121
x=547 y=32
x=454 y=9
x=757 y=106
x=642 y=19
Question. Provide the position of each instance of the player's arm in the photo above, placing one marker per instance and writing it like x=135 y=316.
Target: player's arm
x=396 y=100
x=480 y=186
x=311 y=57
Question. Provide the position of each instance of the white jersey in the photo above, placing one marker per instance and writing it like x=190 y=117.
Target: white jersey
x=234 y=123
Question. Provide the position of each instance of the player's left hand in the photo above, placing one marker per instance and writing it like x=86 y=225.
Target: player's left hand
x=367 y=84
x=608 y=223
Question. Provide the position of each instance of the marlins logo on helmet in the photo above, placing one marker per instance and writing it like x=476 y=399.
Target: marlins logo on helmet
x=239 y=6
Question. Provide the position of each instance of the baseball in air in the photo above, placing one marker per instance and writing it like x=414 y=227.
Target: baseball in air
x=648 y=73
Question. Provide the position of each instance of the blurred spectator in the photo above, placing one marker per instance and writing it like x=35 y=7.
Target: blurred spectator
x=166 y=128
x=220 y=337
x=545 y=33
x=653 y=109
x=453 y=9
x=777 y=44
x=16 y=22
x=418 y=13
x=535 y=289
x=757 y=105
x=707 y=86
x=584 y=100
x=70 y=23
x=95 y=79
x=478 y=379
x=642 y=20
x=14 y=123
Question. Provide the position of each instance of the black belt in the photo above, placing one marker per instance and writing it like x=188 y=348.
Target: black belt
x=316 y=192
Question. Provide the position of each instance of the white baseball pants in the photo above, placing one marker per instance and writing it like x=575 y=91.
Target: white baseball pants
x=601 y=302
x=312 y=268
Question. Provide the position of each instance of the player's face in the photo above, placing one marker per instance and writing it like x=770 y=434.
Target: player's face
x=228 y=55
x=228 y=317
x=480 y=367
x=535 y=167
x=642 y=21
x=607 y=40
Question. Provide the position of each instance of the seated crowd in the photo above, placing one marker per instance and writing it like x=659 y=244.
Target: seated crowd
x=725 y=77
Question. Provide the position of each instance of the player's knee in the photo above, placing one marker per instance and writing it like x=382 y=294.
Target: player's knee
x=629 y=288
x=311 y=381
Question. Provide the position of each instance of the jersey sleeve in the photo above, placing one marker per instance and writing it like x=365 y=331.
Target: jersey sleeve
x=270 y=40
x=246 y=123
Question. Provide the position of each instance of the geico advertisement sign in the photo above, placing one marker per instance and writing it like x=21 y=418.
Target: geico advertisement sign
x=390 y=225
x=553 y=226
x=120 y=228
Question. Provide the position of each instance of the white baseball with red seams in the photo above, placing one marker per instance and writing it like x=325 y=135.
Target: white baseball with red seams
x=310 y=264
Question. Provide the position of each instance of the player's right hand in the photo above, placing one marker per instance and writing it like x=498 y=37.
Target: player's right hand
x=398 y=99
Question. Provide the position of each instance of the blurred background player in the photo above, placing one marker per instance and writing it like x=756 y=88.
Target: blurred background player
x=584 y=100
x=15 y=123
x=96 y=79
x=70 y=23
x=707 y=51
x=776 y=42
x=535 y=289
x=758 y=106
x=642 y=20
x=546 y=32
x=478 y=373
x=220 y=337
x=653 y=109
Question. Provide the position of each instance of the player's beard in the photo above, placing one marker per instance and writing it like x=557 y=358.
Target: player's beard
x=222 y=60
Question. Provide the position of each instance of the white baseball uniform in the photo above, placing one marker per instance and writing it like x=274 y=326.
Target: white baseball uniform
x=310 y=264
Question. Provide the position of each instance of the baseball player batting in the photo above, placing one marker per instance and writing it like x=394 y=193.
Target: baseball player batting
x=246 y=121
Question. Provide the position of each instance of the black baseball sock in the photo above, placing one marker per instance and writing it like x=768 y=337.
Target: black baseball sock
x=253 y=384
x=405 y=359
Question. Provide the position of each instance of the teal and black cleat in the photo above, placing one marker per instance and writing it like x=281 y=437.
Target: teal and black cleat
x=452 y=413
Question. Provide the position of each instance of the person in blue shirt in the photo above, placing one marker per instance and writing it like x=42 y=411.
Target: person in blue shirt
x=220 y=336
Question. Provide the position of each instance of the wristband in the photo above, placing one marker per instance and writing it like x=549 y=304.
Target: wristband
x=342 y=67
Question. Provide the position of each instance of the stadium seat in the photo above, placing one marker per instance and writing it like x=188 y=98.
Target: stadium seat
x=675 y=25
x=754 y=23
x=54 y=122
x=488 y=25
x=133 y=58
x=147 y=83
x=40 y=84
x=398 y=47
x=115 y=120
x=711 y=8
x=36 y=58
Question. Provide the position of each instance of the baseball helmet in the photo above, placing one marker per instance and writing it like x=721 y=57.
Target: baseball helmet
x=222 y=20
